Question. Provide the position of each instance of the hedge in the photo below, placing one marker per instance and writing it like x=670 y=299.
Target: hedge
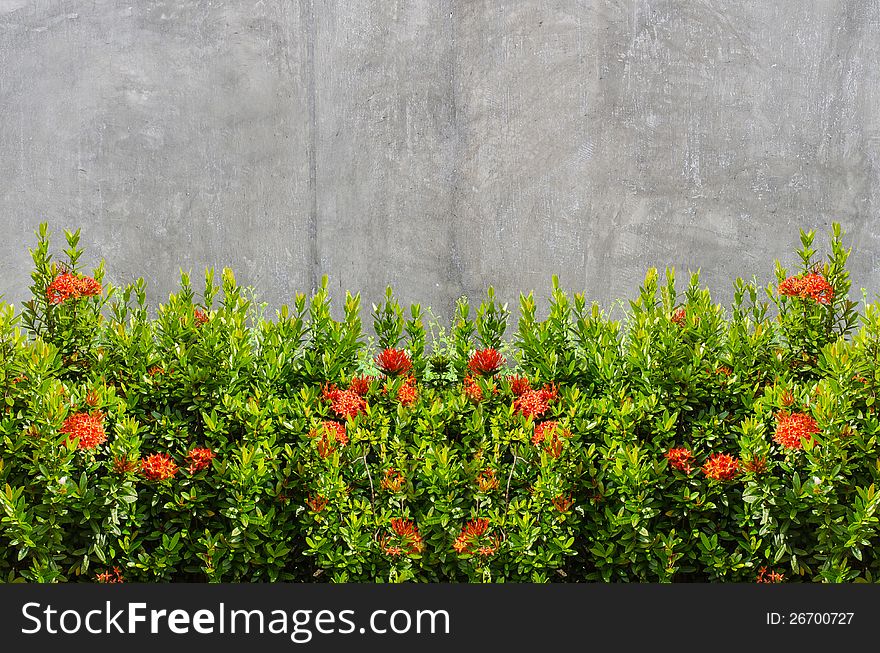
x=200 y=440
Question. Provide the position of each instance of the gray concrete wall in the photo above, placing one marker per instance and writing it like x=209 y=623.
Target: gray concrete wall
x=439 y=145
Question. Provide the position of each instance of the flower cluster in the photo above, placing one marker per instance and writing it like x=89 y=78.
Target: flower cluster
x=550 y=435
x=199 y=459
x=360 y=385
x=110 y=576
x=811 y=286
x=393 y=480
x=793 y=428
x=316 y=503
x=534 y=403
x=87 y=428
x=345 y=403
x=680 y=458
x=70 y=286
x=407 y=394
x=469 y=536
x=406 y=539
x=485 y=362
x=472 y=389
x=721 y=467
x=519 y=385
x=394 y=362
x=158 y=467
x=769 y=576
x=679 y=317
x=329 y=434
x=200 y=316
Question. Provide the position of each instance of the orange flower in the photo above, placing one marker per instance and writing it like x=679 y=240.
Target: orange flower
x=723 y=370
x=70 y=286
x=472 y=531
x=409 y=535
x=811 y=286
x=679 y=316
x=534 y=403
x=519 y=385
x=156 y=369
x=394 y=362
x=393 y=481
x=316 y=502
x=486 y=481
x=345 y=403
x=200 y=316
x=721 y=467
x=485 y=362
x=407 y=393
x=88 y=428
x=792 y=429
x=755 y=464
x=330 y=433
x=549 y=434
x=563 y=503
x=158 y=467
x=360 y=385
x=472 y=389
x=110 y=576
x=199 y=459
x=769 y=576
x=680 y=459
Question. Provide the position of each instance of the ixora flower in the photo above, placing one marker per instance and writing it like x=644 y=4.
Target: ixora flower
x=679 y=317
x=792 y=429
x=563 y=503
x=485 y=362
x=199 y=459
x=721 y=467
x=519 y=385
x=330 y=433
x=812 y=286
x=486 y=481
x=87 y=428
x=394 y=362
x=345 y=403
x=200 y=317
x=393 y=480
x=316 y=503
x=680 y=458
x=405 y=539
x=360 y=385
x=769 y=576
x=407 y=394
x=71 y=286
x=158 y=467
x=472 y=389
x=110 y=576
x=534 y=403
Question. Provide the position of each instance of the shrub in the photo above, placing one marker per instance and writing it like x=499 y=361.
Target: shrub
x=201 y=441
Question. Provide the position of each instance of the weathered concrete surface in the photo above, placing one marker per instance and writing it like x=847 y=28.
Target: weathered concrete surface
x=439 y=145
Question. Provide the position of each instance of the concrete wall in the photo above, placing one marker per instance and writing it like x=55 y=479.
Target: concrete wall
x=439 y=145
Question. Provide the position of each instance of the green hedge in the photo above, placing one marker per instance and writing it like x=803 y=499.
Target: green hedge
x=202 y=441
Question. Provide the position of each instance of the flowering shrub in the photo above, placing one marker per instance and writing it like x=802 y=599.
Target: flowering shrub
x=204 y=441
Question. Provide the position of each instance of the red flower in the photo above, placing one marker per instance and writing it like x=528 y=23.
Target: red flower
x=723 y=370
x=88 y=428
x=472 y=531
x=123 y=465
x=330 y=433
x=755 y=464
x=200 y=316
x=345 y=403
x=534 y=403
x=406 y=539
x=769 y=576
x=360 y=385
x=394 y=362
x=158 y=467
x=70 y=286
x=519 y=385
x=199 y=459
x=407 y=393
x=472 y=389
x=721 y=467
x=811 y=286
x=680 y=459
x=110 y=576
x=485 y=362
x=792 y=429
x=679 y=316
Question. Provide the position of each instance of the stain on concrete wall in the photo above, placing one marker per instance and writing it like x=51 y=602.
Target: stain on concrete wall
x=439 y=145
